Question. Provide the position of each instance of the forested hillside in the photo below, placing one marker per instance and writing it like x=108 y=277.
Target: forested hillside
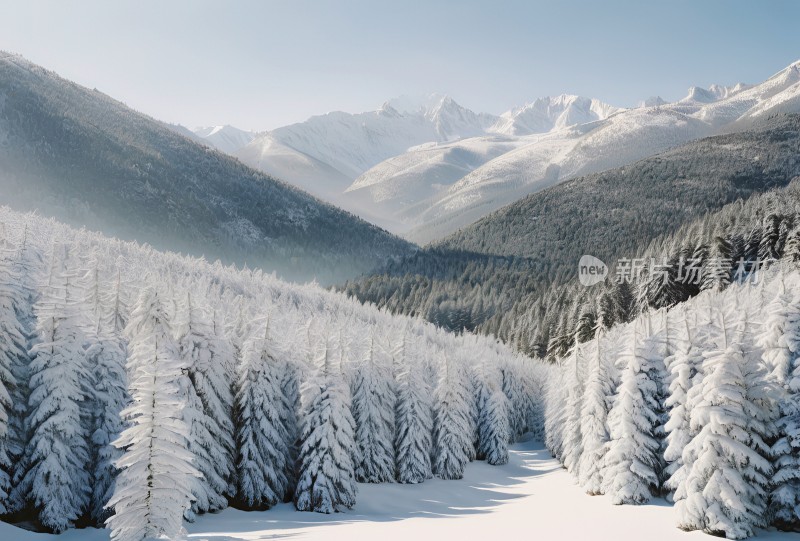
x=514 y=273
x=140 y=388
x=699 y=403
x=82 y=157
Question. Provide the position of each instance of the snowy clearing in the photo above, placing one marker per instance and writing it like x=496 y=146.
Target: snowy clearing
x=532 y=495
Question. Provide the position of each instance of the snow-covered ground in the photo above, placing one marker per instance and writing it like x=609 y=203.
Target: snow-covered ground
x=532 y=495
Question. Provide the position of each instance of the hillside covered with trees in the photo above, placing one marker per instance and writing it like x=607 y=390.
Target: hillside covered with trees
x=139 y=389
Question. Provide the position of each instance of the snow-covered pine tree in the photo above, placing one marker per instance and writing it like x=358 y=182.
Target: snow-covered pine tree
x=373 y=413
x=115 y=305
x=514 y=389
x=785 y=482
x=493 y=417
x=725 y=491
x=572 y=424
x=630 y=474
x=413 y=417
x=533 y=397
x=262 y=441
x=684 y=365
x=208 y=410
x=656 y=347
x=474 y=411
x=54 y=478
x=237 y=324
x=772 y=338
x=25 y=269
x=13 y=353
x=153 y=488
x=452 y=425
x=326 y=473
x=555 y=412
x=594 y=416
x=290 y=386
x=108 y=393
x=106 y=358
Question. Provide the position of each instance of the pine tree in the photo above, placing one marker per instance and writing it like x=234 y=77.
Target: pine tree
x=413 y=418
x=452 y=425
x=594 y=416
x=153 y=488
x=493 y=419
x=23 y=273
x=13 y=352
x=373 y=413
x=106 y=358
x=684 y=365
x=785 y=482
x=513 y=388
x=725 y=491
x=630 y=475
x=772 y=340
x=54 y=476
x=572 y=425
x=471 y=449
x=208 y=411
x=262 y=441
x=326 y=474
x=555 y=412
x=290 y=387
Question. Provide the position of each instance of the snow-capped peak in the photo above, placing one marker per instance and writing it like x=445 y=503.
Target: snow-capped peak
x=548 y=113
x=652 y=101
x=697 y=94
x=225 y=138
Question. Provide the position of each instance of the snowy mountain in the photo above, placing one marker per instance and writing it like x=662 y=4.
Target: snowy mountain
x=433 y=191
x=82 y=157
x=504 y=275
x=225 y=138
x=548 y=114
x=326 y=153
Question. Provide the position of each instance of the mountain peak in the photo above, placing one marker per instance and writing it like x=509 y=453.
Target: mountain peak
x=226 y=138
x=652 y=101
x=418 y=103
x=552 y=112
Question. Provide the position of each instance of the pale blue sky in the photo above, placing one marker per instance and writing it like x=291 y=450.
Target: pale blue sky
x=259 y=65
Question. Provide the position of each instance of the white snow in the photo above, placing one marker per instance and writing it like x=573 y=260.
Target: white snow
x=425 y=166
x=531 y=495
x=225 y=138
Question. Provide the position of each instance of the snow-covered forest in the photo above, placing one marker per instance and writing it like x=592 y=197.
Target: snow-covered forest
x=139 y=389
x=698 y=403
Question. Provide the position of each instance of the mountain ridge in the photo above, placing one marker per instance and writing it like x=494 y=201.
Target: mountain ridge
x=85 y=158
x=430 y=181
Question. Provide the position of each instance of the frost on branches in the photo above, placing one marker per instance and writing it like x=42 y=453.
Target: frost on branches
x=727 y=383
x=154 y=486
x=326 y=479
x=194 y=400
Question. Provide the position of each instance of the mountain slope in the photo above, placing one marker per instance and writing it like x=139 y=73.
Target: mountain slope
x=225 y=138
x=556 y=139
x=85 y=158
x=326 y=153
x=504 y=275
x=547 y=114
x=613 y=210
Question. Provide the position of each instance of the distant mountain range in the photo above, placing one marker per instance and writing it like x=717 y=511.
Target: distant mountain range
x=79 y=156
x=425 y=167
x=513 y=273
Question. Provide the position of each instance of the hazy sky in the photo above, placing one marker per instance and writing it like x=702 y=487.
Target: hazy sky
x=262 y=64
